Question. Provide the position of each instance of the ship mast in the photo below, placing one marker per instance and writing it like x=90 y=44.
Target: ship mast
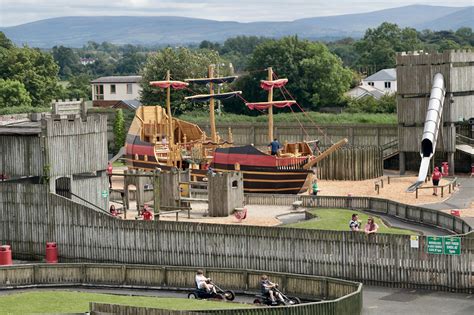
x=168 y=109
x=211 y=97
x=270 y=108
x=212 y=117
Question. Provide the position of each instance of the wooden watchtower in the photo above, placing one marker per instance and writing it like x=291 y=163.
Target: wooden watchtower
x=415 y=72
x=66 y=153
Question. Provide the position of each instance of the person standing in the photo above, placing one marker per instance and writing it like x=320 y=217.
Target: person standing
x=109 y=173
x=275 y=146
x=371 y=227
x=436 y=176
x=355 y=224
x=315 y=188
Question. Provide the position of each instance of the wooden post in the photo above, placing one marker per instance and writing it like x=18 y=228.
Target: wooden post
x=156 y=193
x=270 y=109
x=212 y=118
x=168 y=109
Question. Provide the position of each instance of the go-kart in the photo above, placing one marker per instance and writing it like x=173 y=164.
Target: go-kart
x=219 y=295
x=265 y=299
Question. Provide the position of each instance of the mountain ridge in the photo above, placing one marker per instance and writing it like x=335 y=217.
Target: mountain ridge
x=75 y=31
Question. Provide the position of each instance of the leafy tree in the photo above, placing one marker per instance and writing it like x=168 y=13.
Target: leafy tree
x=5 y=42
x=35 y=69
x=380 y=45
x=183 y=63
x=13 y=93
x=316 y=76
x=205 y=44
x=67 y=59
x=78 y=87
x=386 y=104
x=119 y=130
x=130 y=63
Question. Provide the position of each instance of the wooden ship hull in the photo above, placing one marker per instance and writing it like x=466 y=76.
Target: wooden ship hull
x=262 y=173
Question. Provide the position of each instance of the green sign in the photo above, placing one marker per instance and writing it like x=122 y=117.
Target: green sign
x=443 y=245
x=452 y=245
x=434 y=245
x=105 y=193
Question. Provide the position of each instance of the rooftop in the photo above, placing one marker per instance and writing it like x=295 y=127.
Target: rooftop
x=119 y=79
x=383 y=75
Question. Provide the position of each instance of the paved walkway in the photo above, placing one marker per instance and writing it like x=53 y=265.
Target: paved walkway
x=377 y=300
x=462 y=199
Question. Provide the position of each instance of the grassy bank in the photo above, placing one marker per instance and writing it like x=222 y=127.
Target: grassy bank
x=317 y=118
x=42 y=302
x=338 y=220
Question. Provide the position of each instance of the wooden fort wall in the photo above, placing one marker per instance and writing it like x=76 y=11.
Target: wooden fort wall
x=30 y=217
x=21 y=155
x=76 y=146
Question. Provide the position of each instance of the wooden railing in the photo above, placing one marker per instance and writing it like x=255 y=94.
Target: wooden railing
x=451 y=185
x=326 y=294
x=416 y=214
x=31 y=217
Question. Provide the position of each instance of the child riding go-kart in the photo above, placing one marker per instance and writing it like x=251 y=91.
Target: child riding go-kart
x=271 y=295
x=206 y=289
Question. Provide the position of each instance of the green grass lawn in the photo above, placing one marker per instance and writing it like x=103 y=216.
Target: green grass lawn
x=338 y=220
x=76 y=302
x=309 y=117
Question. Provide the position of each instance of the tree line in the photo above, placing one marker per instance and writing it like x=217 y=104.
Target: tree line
x=319 y=73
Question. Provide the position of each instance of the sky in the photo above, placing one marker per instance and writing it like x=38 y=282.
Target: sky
x=15 y=12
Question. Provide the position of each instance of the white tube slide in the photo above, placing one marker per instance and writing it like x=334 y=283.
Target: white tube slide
x=431 y=128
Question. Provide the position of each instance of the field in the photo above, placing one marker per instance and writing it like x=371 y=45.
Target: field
x=309 y=117
x=78 y=302
x=338 y=220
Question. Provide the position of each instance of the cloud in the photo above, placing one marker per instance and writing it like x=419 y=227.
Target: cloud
x=13 y=12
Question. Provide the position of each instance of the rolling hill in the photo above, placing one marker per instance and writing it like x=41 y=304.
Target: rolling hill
x=75 y=31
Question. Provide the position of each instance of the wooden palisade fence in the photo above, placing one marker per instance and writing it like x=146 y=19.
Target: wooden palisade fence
x=30 y=217
x=327 y=295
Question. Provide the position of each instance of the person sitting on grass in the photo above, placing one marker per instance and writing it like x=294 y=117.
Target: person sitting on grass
x=355 y=224
x=268 y=289
x=371 y=227
x=204 y=283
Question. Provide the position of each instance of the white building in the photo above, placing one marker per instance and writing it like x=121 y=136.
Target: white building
x=385 y=80
x=363 y=91
x=108 y=91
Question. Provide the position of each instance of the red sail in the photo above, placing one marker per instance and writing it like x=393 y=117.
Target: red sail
x=177 y=85
x=265 y=105
x=268 y=85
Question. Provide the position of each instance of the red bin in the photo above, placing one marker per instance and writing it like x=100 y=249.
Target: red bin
x=5 y=255
x=51 y=253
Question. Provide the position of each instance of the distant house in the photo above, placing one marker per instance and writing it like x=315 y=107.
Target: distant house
x=376 y=85
x=116 y=92
x=362 y=91
x=87 y=61
x=385 y=80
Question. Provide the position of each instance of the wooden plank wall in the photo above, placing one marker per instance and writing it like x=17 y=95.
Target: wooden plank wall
x=359 y=135
x=76 y=146
x=29 y=220
x=21 y=155
x=334 y=292
x=415 y=72
x=352 y=163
